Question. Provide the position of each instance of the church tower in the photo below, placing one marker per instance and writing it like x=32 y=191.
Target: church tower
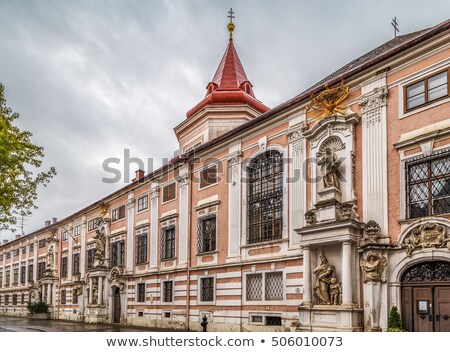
x=228 y=103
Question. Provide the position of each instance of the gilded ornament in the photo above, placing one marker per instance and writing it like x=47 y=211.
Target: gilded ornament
x=329 y=102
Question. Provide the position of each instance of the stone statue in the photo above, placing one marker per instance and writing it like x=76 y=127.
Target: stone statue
x=335 y=292
x=100 y=244
x=329 y=168
x=374 y=267
x=324 y=273
x=94 y=291
x=50 y=258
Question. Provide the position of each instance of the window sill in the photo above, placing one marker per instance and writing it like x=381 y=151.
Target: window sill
x=168 y=259
x=265 y=243
x=207 y=253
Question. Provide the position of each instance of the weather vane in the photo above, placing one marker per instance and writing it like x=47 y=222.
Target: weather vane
x=395 y=25
x=231 y=24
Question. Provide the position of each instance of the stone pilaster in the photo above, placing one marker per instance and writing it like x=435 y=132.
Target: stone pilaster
x=234 y=202
x=154 y=202
x=183 y=226
x=130 y=232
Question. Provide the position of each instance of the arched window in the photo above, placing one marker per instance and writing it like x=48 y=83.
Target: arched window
x=265 y=197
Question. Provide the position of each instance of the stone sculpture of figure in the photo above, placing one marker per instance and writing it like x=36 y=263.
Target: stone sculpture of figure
x=324 y=273
x=329 y=168
x=94 y=291
x=100 y=243
x=50 y=258
x=373 y=268
x=335 y=292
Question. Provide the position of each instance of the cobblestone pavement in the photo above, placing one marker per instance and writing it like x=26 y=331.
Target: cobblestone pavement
x=22 y=324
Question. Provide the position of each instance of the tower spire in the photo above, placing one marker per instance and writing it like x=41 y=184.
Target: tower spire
x=231 y=24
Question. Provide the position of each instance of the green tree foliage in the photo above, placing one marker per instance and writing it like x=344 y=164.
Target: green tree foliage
x=18 y=160
x=394 y=320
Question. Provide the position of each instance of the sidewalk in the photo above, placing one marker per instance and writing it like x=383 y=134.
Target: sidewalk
x=22 y=324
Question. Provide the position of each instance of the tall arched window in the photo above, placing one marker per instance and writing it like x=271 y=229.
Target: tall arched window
x=265 y=197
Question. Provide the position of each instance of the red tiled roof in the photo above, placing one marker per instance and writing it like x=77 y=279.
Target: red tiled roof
x=230 y=74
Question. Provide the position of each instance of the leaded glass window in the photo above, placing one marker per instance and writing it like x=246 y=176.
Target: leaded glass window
x=428 y=185
x=206 y=234
x=265 y=197
x=168 y=242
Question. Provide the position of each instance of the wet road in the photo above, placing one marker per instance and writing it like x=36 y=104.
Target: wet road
x=19 y=324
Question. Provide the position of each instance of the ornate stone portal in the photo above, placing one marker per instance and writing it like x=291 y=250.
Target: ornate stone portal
x=427 y=235
x=332 y=229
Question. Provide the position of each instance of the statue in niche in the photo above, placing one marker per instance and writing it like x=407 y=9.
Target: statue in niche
x=374 y=267
x=100 y=243
x=325 y=272
x=50 y=258
x=335 y=292
x=329 y=168
x=95 y=291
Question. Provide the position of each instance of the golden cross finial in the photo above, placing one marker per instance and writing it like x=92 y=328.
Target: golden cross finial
x=231 y=24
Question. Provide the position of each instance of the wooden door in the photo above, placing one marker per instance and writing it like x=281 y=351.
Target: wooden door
x=116 y=306
x=442 y=308
x=423 y=309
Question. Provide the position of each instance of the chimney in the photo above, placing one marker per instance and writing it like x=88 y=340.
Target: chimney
x=54 y=220
x=47 y=223
x=17 y=237
x=5 y=241
x=139 y=175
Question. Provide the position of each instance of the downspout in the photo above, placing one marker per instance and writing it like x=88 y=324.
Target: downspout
x=188 y=272
x=59 y=277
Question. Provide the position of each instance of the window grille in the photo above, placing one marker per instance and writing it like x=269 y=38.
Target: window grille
x=30 y=272
x=141 y=292
x=254 y=287
x=265 y=197
x=207 y=289
x=274 y=286
x=117 y=254
x=142 y=203
x=273 y=321
x=141 y=248
x=428 y=185
x=76 y=264
x=64 y=267
x=23 y=273
x=206 y=234
x=168 y=242
x=90 y=258
x=167 y=291
x=63 y=296
x=41 y=270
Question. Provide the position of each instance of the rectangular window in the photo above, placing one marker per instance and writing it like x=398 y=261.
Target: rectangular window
x=8 y=278
x=206 y=234
x=169 y=192
x=64 y=235
x=22 y=298
x=141 y=248
x=63 y=296
x=31 y=247
x=167 y=291
x=76 y=264
x=6 y=300
x=16 y=252
x=274 y=286
x=273 y=321
x=254 y=287
x=64 y=267
x=1 y=278
x=75 y=296
x=208 y=176
x=14 y=300
x=93 y=224
x=16 y=276
x=207 y=289
x=41 y=270
x=30 y=272
x=1 y=257
x=118 y=213
x=168 y=242
x=8 y=255
x=41 y=243
x=140 y=292
x=428 y=185
x=77 y=230
x=269 y=283
x=117 y=253
x=142 y=203
x=426 y=90
x=90 y=258
x=23 y=273
x=24 y=250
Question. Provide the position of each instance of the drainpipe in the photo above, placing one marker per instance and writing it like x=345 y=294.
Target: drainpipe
x=188 y=272
x=58 y=294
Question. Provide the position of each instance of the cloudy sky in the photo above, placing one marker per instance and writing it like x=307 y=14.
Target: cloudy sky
x=93 y=78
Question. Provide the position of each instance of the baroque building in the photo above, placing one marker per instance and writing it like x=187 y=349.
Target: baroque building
x=320 y=214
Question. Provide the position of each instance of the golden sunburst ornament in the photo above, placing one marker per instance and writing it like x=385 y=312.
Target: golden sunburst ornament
x=328 y=102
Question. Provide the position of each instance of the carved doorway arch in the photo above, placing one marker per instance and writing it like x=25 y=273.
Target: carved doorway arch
x=426 y=297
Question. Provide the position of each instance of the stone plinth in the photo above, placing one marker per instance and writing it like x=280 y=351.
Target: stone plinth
x=329 y=318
